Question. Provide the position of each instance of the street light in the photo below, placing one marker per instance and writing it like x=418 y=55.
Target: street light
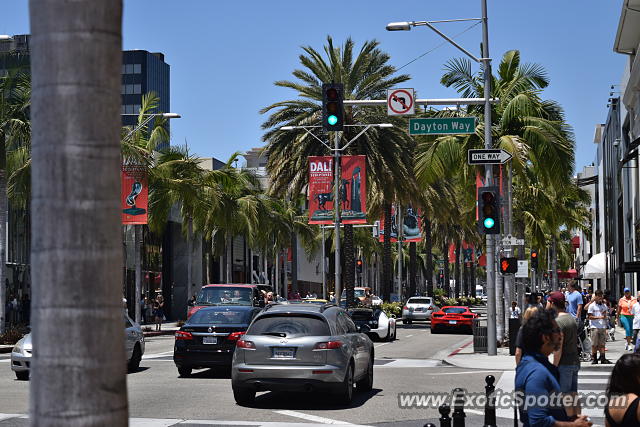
x=399 y=26
x=137 y=235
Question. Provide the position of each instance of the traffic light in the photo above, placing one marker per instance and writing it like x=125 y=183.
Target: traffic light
x=489 y=207
x=359 y=265
x=508 y=265
x=534 y=260
x=332 y=107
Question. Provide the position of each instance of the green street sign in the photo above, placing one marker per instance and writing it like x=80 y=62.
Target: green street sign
x=442 y=126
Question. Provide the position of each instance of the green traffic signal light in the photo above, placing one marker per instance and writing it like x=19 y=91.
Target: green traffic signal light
x=489 y=223
x=332 y=120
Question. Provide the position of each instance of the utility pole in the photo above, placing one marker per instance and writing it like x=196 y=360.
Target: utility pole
x=336 y=206
x=492 y=349
x=324 y=268
x=400 y=236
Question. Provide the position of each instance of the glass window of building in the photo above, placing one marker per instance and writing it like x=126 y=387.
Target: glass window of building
x=124 y=89
x=137 y=68
x=136 y=108
x=123 y=109
x=129 y=69
x=137 y=89
x=124 y=69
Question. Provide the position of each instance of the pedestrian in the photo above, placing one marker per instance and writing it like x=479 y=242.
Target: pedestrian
x=625 y=317
x=332 y=297
x=142 y=313
x=575 y=302
x=514 y=313
x=192 y=301
x=519 y=347
x=623 y=393
x=635 y=310
x=537 y=378
x=598 y=322
x=567 y=358
x=148 y=308
x=158 y=309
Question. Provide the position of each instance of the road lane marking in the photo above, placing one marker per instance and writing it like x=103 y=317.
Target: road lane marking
x=154 y=355
x=409 y=336
x=465 y=372
x=453 y=353
x=308 y=417
x=380 y=345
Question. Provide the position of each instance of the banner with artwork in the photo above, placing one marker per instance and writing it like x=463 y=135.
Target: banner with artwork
x=352 y=192
x=134 y=194
x=411 y=226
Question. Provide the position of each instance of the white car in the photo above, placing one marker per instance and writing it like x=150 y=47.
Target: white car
x=376 y=300
x=134 y=344
x=381 y=326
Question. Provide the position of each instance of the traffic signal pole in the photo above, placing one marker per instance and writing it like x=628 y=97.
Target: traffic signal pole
x=492 y=349
x=336 y=206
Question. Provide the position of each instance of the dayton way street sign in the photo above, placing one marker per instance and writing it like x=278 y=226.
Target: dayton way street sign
x=442 y=126
x=488 y=157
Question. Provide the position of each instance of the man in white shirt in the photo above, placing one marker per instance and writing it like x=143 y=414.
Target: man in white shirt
x=514 y=313
x=598 y=313
x=635 y=310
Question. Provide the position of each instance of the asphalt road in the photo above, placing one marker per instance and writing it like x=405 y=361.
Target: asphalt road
x=409 y=364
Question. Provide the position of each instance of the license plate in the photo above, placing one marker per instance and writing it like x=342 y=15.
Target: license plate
x=283 y=353
x=418 y=309
x=453 y=322
x=209 y=340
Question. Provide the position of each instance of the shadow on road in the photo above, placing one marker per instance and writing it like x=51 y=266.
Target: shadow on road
x=215 y=373
x=421 y=325
x=140 y=369
x=308 y=401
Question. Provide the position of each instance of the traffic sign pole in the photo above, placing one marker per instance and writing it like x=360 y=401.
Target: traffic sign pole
x=336 y=206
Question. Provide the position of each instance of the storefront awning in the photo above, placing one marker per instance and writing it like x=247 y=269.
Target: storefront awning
x=596 y=267
x=569 y=274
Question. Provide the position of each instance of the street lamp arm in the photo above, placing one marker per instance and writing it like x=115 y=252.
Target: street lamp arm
x=306 y=129
x=447 y=38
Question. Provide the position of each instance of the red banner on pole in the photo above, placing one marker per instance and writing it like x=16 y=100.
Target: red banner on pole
x=134 y=195
x=353 y=190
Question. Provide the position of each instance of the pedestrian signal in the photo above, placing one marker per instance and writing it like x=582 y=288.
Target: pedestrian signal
x=508 y=265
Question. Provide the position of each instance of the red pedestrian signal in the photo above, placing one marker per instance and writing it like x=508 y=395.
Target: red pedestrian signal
x=508 y=265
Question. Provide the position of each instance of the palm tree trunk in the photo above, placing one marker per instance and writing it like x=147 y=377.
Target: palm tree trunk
x=276 y=277
x=386 y=254
x=349 y=263
x=554 y=264
x=3 y=233
x=189 y=258
x=75 y=113
x=473 y=278
x=294 y=262
x=456 y=272
x=137 y=237
x=229 y=258
x=412 y=268
x=429 y=248
x=447 y=284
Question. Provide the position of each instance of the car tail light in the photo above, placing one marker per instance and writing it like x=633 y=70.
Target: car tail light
x=235 y=336
x=328 y=345
x=245 y=370
x=182 y=335
x=245 y=344
x=405 y=308
x=322 y=372
x=437 y=315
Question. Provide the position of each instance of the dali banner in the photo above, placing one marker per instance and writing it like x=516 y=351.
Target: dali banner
x=352 y=193
x=134 y=195
x=411 y=226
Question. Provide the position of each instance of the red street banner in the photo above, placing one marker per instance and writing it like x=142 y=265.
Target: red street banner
x=134 y=195
x=411 y=226
x=352 y=194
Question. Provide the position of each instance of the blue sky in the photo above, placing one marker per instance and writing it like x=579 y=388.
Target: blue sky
x=225 y=55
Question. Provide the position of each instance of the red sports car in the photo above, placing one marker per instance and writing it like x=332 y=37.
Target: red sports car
x=454 y=317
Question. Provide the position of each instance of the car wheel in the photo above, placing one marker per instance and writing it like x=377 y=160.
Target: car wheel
x=345 y=395
x=366 y=383
x=243 y=396
x=408 y=322
x=136 y=357
x=435 y=330
x=22 y=375
x=184 y=372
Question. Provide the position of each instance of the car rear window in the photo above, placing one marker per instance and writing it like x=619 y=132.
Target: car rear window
x=227 y=295
x=361 y=315
x=290 y=325
x=220 y=317
x=419 y=301
x=454 y=310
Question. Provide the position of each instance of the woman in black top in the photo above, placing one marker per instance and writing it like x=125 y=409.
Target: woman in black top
x=623 y=409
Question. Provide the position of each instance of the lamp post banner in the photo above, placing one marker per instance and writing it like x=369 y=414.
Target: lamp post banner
x=134 y=195
x=411 y=225
x=353 y=190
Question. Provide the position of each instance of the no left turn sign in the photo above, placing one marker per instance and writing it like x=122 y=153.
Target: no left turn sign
x=400 y=102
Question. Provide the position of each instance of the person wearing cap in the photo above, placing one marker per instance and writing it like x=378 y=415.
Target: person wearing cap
x=566 y=358
x=598 y=314
x=625 y=317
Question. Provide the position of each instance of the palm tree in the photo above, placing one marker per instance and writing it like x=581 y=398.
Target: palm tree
x=365 y=76
x=15 y=133
x=75 y=215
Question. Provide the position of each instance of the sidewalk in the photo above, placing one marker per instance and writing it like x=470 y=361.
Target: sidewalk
x=464 y=357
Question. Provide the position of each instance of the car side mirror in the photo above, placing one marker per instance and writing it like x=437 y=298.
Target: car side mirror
x=363 y=329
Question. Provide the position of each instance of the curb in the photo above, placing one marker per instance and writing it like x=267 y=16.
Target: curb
x=158 y=333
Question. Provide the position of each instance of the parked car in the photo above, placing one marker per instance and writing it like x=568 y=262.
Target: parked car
x=382 y=326
x=453 y=317
x=359 y=293
x=302 y=347
x=376 y=300
x=134 y=347
x=227 y=294
x=208 y=338
x=418 y=308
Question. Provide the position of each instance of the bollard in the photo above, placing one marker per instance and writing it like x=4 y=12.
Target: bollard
x=458 y=407
x=490 y=406
x=445 y=420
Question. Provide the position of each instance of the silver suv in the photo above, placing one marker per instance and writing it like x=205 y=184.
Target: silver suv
x=303 y=347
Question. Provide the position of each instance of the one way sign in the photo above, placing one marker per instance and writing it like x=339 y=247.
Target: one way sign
x=488 y=157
